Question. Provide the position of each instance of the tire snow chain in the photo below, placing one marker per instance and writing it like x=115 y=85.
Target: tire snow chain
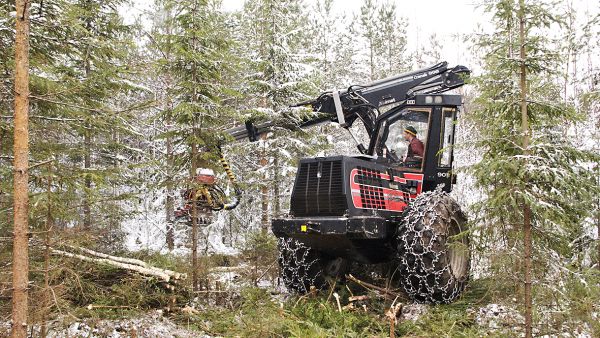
x=424 y=273
x=300 y=265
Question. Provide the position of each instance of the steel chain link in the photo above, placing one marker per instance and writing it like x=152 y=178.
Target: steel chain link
x=426 y=275
x=300 y=265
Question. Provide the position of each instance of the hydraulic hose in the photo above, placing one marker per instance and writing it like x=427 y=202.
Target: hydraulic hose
x=238 y=192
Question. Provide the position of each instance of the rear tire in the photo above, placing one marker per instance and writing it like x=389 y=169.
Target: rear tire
x=302 y=267
x=433 y=262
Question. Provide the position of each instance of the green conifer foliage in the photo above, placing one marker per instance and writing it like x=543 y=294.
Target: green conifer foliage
x=382 y=33
x=79 y=70
x=277 y=71
x=549 y=175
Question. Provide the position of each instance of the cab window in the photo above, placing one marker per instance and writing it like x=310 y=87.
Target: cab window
x=447 y=138
x=396 y=142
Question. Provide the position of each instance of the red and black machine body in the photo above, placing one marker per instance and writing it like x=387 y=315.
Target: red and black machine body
x=350 y=206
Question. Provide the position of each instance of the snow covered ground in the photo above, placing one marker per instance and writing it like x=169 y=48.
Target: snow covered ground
x=151 y=325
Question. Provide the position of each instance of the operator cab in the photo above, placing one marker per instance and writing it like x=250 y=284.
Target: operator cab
x=395 y=147
x=434 y=119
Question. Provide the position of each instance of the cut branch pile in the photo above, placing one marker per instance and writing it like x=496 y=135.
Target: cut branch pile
x=131 y=264
x=383 y=292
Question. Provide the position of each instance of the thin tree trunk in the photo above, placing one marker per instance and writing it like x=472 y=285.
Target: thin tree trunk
x=4 y=199
x=231 y=231
x=194 y=166
x=598 y=217
x=526 y=208
x=527 y=269
x=21 y=172
x=87 y=213
x=47 y=245
x=276 y=183
x=371 y=60
x=264 y=221
x=170 y=203
x=87 y=164
x=114 y=216
x=194 y=220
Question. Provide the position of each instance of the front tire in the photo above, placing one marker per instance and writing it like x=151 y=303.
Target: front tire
x=302 y=267
x=433 y=252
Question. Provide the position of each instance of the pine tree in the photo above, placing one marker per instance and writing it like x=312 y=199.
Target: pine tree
x=332 y=47
x=21 y=173
x=429 y=54
x=383 y=35
x=393 y=58
x=536 y=184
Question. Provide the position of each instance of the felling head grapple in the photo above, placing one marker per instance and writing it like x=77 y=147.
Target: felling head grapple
x=205 y=192
x=388 y=204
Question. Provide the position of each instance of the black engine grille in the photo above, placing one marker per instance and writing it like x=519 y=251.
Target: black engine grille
x=319 y=190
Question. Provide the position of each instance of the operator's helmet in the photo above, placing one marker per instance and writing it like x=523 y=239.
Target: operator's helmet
x=206 y=176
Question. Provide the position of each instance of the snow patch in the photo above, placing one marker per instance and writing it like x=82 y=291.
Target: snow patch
x=499 y=318
x=149 y=325
x=413 y=311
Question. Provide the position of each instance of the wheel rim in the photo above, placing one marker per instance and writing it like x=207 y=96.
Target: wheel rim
x=458 y=251
x=334 y=267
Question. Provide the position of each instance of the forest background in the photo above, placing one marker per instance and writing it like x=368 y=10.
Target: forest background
x=126 y=98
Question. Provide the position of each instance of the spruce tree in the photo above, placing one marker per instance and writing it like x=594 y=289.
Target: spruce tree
x=275 y=48
x=100 y=44
x=537 y=187
x=581 y=78
x=160 y=50
x=194 y=56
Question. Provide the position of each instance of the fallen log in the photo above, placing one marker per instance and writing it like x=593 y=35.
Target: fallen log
x=115 y=258
x=131 y=261
x=162 y=274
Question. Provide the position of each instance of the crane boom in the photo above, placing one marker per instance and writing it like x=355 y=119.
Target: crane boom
x=363 y=101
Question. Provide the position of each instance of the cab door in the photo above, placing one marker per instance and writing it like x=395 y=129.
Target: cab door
x=435 y=126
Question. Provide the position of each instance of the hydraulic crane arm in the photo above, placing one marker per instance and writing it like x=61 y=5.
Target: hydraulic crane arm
x=363 y=101
x=432 y=80
x=357 y=102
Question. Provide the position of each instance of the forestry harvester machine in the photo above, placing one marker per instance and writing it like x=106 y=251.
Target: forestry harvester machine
x=388 y=204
